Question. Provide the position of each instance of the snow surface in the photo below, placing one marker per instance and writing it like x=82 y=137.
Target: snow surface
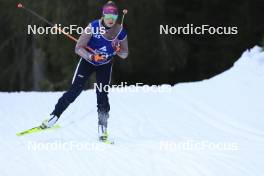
x=171 y=133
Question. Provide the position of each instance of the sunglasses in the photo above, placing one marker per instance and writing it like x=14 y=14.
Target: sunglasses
x=111 y=16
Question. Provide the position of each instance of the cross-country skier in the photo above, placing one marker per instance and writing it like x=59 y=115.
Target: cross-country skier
x=112 y=42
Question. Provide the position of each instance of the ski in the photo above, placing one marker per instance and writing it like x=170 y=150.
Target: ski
x=107 y=141
x=36 y=130
x=104 y=138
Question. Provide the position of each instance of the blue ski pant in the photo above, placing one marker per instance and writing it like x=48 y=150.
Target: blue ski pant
x=82 y=73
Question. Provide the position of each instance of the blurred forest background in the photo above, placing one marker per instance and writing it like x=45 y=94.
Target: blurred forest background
x=47 y=62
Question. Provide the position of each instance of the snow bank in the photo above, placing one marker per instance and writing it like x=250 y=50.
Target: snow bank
x=212 y=127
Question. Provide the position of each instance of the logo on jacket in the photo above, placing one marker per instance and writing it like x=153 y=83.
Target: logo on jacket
x=103 y=49
x=98 y=36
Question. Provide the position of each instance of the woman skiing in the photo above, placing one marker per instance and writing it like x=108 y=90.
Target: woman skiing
x=105 y=46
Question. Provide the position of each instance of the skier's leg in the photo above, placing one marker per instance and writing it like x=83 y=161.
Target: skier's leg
x=82 y=73
x=103 y=76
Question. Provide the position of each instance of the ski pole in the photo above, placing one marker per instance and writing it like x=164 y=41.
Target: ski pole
x=19 y=5
x=124 y=13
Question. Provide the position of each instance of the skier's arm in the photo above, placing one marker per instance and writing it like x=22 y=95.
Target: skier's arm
x=123 y=53
x=82 y=42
